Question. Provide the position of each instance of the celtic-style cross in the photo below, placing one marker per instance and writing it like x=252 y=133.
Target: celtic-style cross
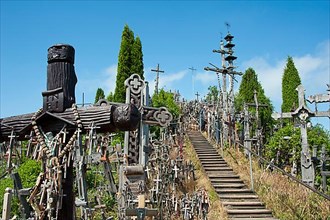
x=302 y=113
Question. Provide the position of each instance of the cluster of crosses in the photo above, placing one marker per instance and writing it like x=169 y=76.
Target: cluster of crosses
x=69 y=140
x=55 y=134
x=224 y=107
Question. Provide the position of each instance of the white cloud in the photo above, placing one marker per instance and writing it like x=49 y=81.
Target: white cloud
x=269 y=75
x=206 y=78
x=166 y=80
x=88 y=84
x=313 y=70
x=110 y=82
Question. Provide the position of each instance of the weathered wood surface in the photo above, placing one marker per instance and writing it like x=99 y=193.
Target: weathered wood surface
x=107 y=118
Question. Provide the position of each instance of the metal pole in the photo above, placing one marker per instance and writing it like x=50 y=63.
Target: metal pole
x=251 y=170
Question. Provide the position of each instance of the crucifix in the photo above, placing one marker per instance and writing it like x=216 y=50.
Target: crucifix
x=302 y=113
x=157 y=77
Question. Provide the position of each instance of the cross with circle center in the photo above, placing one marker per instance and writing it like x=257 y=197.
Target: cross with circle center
x=163 y=116
x=135 y=83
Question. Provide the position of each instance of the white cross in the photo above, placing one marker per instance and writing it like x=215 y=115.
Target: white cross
x=176 y=169
x=148 y=173
x=135 y=83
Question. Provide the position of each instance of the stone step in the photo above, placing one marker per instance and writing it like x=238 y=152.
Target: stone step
x=229 y=185
x=215 y=158
x=248 y=203
x=227 y=180
x=249 y=211
x=222 y=176
x=238 y=196
x=230 y=190
x=213 y=161
x=215 y=165
x=218 y=169
x=245 y=207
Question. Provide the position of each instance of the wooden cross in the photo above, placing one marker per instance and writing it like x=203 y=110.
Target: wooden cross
x=197 y=95
x=302 y=113
x=193 y=79
x=157 y=70
x=256 y=104
x=226 y=70
x=59 y=111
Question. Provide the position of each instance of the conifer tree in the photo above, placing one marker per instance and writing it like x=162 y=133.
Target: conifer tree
x=248 y=85
x=290 y=81
x=124 y=63
x=110 y=97
x=137 y=58
x=99 y=95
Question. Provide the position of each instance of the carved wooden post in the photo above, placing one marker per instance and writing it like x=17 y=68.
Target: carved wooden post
x=61 y=79
x=7 y=204
x=61 y=117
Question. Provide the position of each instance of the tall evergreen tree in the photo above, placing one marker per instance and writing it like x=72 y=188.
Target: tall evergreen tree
x=99 y=95
x=137 y=58
x=110 y=97
x=124 y=63
x=248 y=85
x=290 y=81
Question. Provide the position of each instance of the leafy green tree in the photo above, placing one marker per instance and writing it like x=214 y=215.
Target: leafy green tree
x=248 y=85
x=137 y=58
x=213 y=94
x=290 y=81
x=99 y=95
x=286 y=140
x=166 y=99
x=28 y=172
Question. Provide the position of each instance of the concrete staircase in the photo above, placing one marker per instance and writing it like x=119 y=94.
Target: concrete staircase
x=240 y=202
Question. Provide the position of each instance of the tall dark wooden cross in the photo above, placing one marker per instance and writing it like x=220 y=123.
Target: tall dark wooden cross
x=137 y=148
x=52 y=197
x=157 y=70
x=197 y=96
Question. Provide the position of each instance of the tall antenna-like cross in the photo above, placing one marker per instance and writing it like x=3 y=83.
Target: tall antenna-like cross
x=228 y=26
x=197 y=95
x=193 y=79
x=157 y=77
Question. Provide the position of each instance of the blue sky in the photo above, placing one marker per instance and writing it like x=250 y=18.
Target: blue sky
x=175 y=34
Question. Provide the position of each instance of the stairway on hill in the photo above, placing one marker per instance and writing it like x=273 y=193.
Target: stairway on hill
x=240 y=201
